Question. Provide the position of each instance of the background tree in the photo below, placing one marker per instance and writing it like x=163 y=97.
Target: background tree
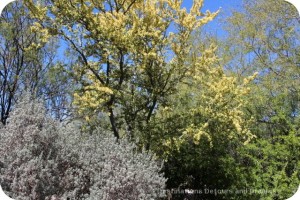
x=15 y=38
x=23 y=69
x=264 y=36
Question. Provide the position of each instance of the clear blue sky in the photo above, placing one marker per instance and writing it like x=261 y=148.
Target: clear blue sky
x=213 y=5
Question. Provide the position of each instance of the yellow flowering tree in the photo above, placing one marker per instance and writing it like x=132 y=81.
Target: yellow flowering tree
x=201 y=128
x=208 y=104
x=131 y=54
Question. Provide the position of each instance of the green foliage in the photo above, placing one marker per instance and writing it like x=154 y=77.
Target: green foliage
x=264 y=36
x=274 y=165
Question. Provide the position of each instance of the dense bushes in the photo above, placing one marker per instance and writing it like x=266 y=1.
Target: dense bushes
x=42 y=159
x=148 y=70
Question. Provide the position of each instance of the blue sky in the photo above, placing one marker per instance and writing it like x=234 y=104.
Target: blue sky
x=215 y=4
x=225 y=7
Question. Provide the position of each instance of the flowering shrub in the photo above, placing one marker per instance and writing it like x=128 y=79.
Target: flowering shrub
x=43 y=159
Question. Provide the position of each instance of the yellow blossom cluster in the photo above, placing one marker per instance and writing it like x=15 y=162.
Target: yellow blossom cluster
x=220 y=101
x=138 y=29
x=91 y=97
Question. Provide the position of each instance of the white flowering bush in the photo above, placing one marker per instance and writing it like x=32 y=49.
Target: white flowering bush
x=32 y=164
x=119 y=171
x=43 y=159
